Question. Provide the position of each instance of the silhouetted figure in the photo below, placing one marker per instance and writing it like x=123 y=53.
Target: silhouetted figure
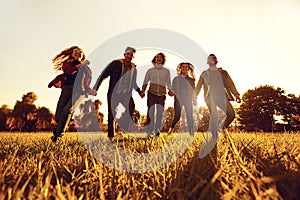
x=183 y=86
x=159 y=78
x=218 y=91
x=74 y=82
x=122 y=80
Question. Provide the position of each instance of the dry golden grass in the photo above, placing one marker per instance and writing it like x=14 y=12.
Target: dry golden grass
x=241 y=166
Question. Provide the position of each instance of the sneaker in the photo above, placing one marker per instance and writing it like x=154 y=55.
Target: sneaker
x=157 y=133
x=55 y=137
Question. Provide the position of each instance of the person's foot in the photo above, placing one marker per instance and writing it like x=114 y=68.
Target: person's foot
x=157 y=133
x=55 y=137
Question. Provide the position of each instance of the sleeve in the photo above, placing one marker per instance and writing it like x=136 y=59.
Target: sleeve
x=175 y=85
x=135 y=86
x=146 y=80
x=194 y=96
x=169 y=86
x=231 y=85
x=88 y=79
x=199 y=85
x=105 y=73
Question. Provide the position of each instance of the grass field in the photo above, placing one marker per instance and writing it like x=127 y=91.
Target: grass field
x=241 y=166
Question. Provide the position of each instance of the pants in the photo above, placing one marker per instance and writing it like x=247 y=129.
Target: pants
x=222 y=102
x=188 y=105
x=66 y=105
x=158 y=102
x=113 y=101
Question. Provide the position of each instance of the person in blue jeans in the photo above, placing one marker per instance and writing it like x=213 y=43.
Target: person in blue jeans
x=74 y=82
x=183 y=86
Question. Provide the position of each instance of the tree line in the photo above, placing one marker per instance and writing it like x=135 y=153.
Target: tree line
x=263 y=108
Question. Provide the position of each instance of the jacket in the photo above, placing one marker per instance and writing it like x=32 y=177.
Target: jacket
x=114 y=70
x=229 y=86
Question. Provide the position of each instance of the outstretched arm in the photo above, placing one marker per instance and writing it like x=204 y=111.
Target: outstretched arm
x=105 y=73
x=199 y=86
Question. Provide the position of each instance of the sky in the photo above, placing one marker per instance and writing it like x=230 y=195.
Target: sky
x=257 y=42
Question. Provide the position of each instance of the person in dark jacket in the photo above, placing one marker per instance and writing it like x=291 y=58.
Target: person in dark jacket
x=183 y=86
x=122 y=81
x=74 y=82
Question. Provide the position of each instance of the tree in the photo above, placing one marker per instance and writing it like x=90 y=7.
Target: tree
x=259 y=108
x=5 y=113
x=290 y=114
x=45 y=119
x=203 y=119
x=89 y=118
x=24 y=113
x=168 y=118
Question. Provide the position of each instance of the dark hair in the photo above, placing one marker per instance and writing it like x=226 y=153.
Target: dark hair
x=213 y=55
x=163 y=57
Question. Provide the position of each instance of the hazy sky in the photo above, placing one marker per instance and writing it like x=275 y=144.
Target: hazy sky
x=257 y=42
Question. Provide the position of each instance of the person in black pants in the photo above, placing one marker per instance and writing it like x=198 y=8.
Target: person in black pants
x=72 y=62
x=159 y=80
x=122 y=80
x=183 y=86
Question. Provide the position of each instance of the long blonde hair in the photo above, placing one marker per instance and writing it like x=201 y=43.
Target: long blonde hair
x=65 y=55
x=191 y=73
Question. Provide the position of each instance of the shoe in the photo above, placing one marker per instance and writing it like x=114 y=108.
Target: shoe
x=157 y=133
x=55 y=137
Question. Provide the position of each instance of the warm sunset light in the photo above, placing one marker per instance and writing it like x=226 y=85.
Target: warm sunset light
x=149 y=99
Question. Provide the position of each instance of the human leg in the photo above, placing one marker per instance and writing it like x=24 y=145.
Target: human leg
x=160 y=104
x=189 y=116
x=66 y=114
x=150 y=114
x=177 y=112
x=230 y=114
x=112 y=103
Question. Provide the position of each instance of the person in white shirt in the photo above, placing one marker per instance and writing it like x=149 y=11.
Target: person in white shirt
x=160 y=80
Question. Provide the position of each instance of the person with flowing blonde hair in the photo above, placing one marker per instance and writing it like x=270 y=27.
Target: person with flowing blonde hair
x=74 y=82
x=183 y=86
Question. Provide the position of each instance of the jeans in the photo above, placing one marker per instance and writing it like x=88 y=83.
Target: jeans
x=188 y=105
x=66 y=105
x=216 y=122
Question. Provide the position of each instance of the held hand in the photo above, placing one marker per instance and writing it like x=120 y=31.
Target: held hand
x=93 y=92
x=142 y=94
x=195 y=102
x=171 y=93
x=237 y=99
